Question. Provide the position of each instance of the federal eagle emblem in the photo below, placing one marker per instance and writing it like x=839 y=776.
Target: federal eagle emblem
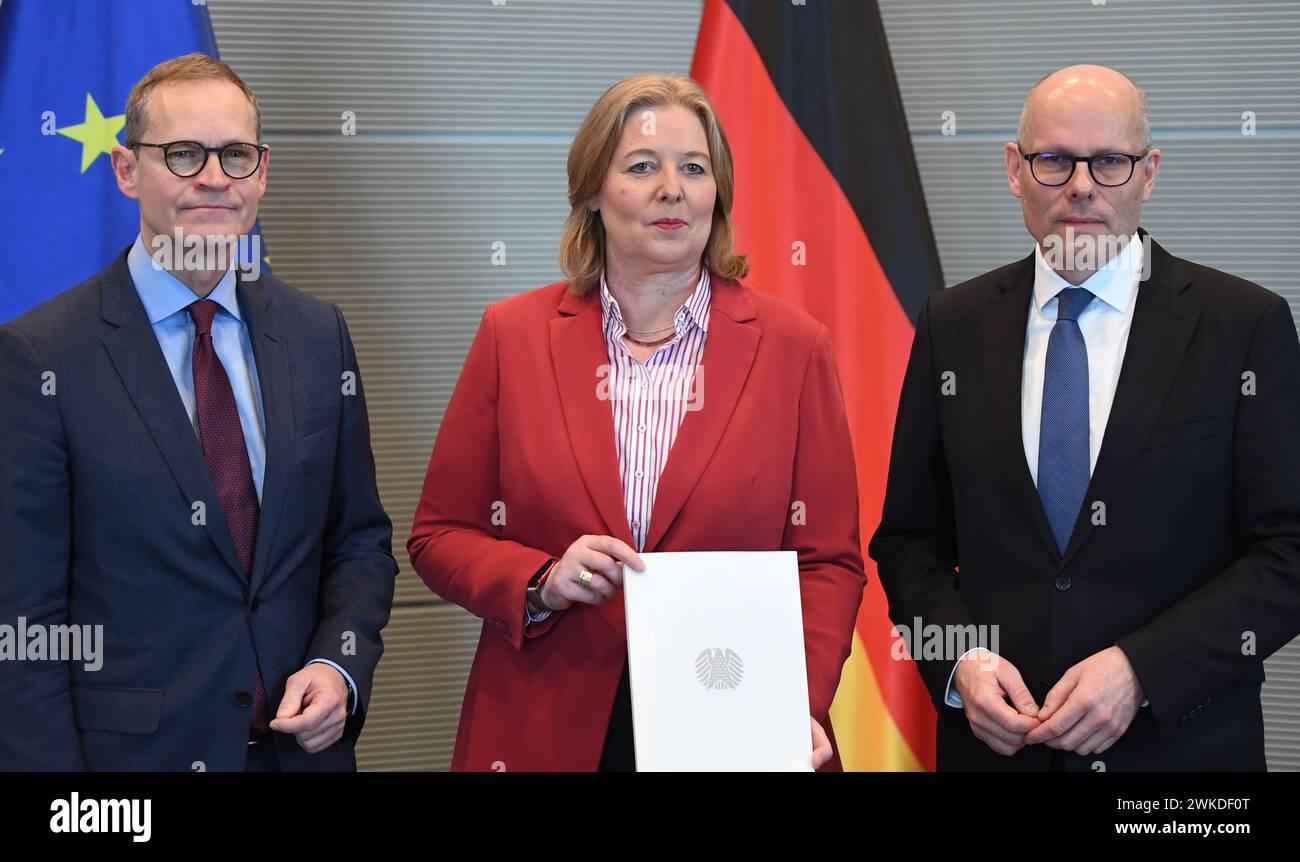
x=718 y=669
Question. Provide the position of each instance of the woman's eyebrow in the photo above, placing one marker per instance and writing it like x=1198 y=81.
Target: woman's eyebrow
x=693 y=154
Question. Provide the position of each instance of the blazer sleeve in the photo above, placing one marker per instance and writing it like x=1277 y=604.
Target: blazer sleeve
x=915 y=546
x=36 y=712
x=1223 y=630
x=358 y=569
x=827 y=537
x=455 y=548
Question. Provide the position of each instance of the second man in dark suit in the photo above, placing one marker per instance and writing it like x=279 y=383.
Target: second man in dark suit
x=1103 y=467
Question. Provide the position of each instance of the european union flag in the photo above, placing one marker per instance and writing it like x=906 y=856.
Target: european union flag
x=66 y=69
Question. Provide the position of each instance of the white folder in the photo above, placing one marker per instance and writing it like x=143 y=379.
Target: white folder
x=716 y=659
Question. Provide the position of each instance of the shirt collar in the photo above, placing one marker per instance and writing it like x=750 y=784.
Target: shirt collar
x=163 y=294
x=694 y=310
x=1115 y=284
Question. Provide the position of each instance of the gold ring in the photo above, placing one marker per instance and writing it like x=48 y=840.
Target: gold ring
x=585 y=579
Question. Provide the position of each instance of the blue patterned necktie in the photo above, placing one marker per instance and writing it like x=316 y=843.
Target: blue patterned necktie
x=1063 y=432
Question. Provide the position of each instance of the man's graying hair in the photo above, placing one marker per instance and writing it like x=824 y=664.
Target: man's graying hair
x=191 y=67
x=1144 y=116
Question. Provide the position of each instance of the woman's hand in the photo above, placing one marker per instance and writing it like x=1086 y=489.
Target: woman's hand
x=602 y=556
x=821 y=745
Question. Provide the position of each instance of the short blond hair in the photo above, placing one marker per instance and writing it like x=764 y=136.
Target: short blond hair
x=582 y=250
x=191 y=67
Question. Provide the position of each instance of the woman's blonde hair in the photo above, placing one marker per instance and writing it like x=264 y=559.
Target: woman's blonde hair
x=582 y=250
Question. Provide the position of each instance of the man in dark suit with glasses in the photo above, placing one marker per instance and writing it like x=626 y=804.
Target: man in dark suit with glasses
x=1096 y=455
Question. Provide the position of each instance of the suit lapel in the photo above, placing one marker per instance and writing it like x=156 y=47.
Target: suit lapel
x=1163 y=322
x=266 y=336
x=1002 y=346
x=579 y=355
x=728 y=355
x=133 y=349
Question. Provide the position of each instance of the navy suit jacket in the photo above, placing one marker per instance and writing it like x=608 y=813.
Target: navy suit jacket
x=100 y=474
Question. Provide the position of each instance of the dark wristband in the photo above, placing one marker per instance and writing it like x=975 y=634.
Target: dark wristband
x=535 y=584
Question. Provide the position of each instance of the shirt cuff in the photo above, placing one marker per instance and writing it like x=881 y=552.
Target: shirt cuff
x=950 y=695
x=356 y=698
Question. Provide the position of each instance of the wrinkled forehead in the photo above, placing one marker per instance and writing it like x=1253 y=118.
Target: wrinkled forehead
x=211 y=112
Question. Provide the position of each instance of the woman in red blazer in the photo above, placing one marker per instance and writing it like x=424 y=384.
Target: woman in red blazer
x=650 y=402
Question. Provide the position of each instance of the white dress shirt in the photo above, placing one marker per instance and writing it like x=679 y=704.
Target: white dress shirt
x=1105 y=324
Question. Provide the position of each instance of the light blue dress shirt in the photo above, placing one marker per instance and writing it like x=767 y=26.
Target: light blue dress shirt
x=166 y=301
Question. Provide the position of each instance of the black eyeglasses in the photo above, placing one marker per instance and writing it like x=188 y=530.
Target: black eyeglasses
x=1107 y=169
x=189 y=158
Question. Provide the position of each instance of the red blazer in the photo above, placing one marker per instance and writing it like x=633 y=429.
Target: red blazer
x=525 y=464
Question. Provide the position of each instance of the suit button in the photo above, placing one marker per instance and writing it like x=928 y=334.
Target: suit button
x=242 y=699
x=257 y=603
x=1062 y=582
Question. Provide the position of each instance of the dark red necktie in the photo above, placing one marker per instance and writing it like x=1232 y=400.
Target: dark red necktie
x=226 y=452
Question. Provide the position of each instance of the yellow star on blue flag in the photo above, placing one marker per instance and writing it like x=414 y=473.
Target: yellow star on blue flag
x=97 y=133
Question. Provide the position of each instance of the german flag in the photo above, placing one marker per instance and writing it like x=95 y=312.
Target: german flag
x=830 y=211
